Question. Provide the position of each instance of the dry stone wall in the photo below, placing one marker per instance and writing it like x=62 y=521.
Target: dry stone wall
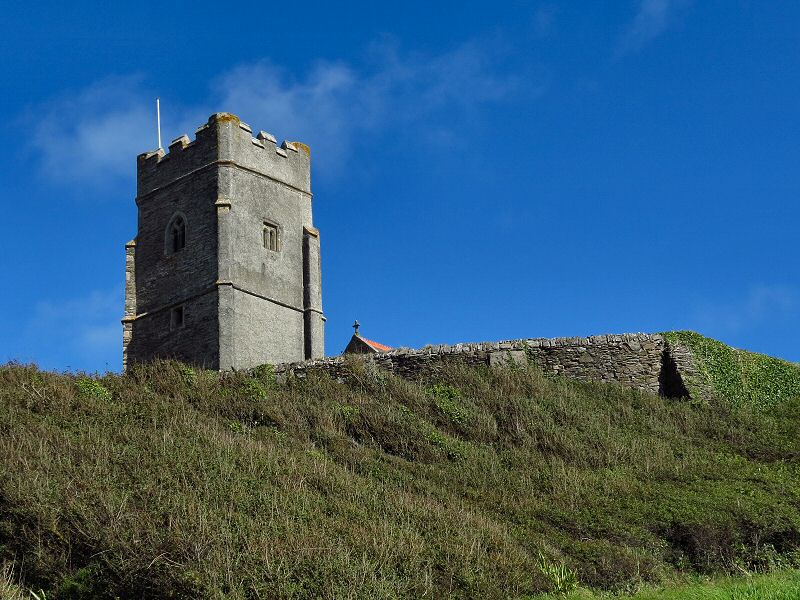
x=639 y=360
x=631 y=359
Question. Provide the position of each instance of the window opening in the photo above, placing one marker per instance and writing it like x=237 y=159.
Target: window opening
x=177 y=234
x=176 y=318
x=270 y=238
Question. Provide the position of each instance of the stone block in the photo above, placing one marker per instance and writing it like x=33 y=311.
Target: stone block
x=508 y=358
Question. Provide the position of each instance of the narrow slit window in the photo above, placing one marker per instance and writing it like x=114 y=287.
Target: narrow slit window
x=176 y=318
x=178 y=235
x=270 y=237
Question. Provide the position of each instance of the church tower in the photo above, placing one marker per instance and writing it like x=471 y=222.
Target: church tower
x=224 y=272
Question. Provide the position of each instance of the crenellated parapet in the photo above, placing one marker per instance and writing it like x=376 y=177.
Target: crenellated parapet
x=226 y=140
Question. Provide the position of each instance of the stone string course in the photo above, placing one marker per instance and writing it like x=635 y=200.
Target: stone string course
x=637 y=360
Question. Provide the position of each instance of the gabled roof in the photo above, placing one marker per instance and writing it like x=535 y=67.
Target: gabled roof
x=361 y=345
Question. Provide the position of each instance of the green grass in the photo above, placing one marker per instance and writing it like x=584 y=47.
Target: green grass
x=738 y=376
x=502 y=483
x=779 y=586
x=774 y=586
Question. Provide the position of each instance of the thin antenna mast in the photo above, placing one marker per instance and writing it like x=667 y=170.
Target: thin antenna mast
x=158 y=118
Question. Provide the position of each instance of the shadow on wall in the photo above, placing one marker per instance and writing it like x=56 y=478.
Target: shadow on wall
x=670 y=382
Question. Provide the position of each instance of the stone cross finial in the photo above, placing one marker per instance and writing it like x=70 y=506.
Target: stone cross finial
x=356 y=325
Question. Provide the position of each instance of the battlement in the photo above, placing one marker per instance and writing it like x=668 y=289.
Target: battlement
x=226 y=140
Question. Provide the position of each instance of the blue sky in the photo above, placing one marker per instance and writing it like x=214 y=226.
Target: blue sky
x=485 y=172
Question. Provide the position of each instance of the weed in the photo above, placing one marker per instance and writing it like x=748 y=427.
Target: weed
x=85 y=584
x=256 y=389
x=237 y=427
x=443 y=391
x=92 y=389
x=189 y=375
x=453 y=448
x=562 y=578
x=349 y=412
x=265 y=374
x=448 y=400
x=276 y=433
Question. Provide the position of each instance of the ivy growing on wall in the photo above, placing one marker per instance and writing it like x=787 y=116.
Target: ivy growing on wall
x=738 y=376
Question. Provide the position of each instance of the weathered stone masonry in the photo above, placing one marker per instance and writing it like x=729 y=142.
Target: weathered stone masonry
x=224 y=298
x=639 y=360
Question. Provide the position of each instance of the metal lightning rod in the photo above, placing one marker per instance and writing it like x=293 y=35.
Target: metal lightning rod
x=158 y=119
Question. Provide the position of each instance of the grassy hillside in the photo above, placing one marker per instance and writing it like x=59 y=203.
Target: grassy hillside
x=173 y=483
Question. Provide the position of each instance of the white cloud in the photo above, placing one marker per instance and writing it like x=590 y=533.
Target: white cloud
x=325 y=109
x=93 y=136
x=652 y=19
x=335 y=104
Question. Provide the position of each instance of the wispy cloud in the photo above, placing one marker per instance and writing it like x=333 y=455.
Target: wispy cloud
x=761 y=304
x=85 y=331
x=543 y=21
x=336 y=103
x=103 y=127
x=653 y=18
x=93 y=135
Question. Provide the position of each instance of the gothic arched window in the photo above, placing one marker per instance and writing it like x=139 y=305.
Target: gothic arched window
x=176 y=234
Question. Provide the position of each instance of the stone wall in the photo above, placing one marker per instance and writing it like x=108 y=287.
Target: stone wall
x=639 y=360
x=631 y=359
x=197 y=343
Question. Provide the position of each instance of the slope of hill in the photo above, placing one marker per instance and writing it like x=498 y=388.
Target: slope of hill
x=482 y=483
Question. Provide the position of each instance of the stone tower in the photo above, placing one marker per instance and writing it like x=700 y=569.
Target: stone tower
x=225 y=270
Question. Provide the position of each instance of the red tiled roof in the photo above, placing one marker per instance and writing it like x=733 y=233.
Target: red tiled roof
x=377 y=346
